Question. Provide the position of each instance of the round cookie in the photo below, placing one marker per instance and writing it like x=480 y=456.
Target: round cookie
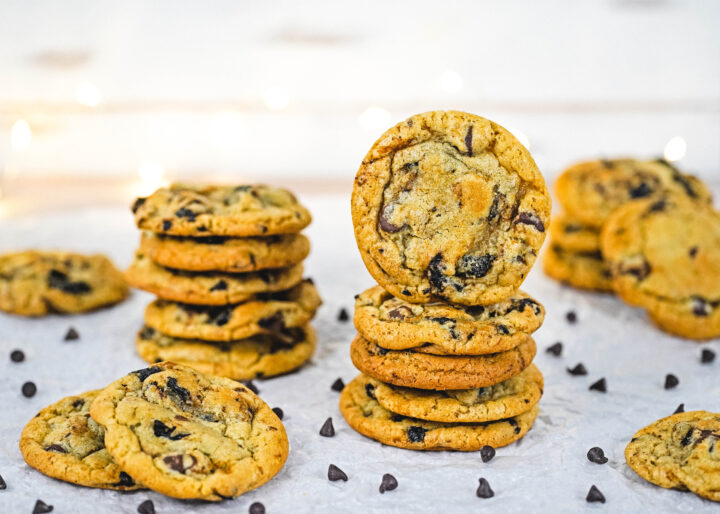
x=260 y=356
x=35 y=283
x=583 y=270
x=665 y=256
x=439 y=372
x=509 y=398
x=232 y=255
x=572 y=235
x=208 y=210
x=591 y=191
x=364 y=414
x=449 y=205
x=444 y=329
x=208 y=288
x=63 y=442
x=268 y=313
x=189 y=435
x=679 y=451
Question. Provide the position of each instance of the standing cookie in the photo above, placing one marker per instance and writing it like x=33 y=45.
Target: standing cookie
x=449 y=205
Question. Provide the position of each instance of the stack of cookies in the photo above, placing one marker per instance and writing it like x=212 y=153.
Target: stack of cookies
x=226 y=265
x=449 y=211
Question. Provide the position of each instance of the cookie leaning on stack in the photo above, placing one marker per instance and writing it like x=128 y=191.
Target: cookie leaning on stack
x=226 y=265
x=449 y=212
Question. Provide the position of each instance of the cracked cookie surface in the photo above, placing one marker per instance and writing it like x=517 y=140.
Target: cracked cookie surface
x=583 y=270
x=209 y=287
x=364 y=414
x=260 y=356
x=445 y=329
x=439 y=372
x=189 y=435
x=36 y=283
x=268 y=313
x=209 y=210
x=449 y=205
x=664 y=255
x=63 y=442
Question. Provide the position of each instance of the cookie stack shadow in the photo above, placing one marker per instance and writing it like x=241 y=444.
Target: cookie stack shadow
x=226 y=266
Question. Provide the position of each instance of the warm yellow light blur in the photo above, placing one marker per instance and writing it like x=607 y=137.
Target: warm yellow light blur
x=20 y=135
x=451 y=81
x=88 y=94
x=276 y=98
x=675 y=149
x=375 y=118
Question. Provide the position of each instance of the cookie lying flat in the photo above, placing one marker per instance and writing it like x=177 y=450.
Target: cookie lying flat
x=232 y=255
x=445 y=329
x=189 y=435
x=679 y=451
x=259 y=356
x=35 y=283
x=207 y=210
x=449 y=205
x=269 y=313
x=509 y=398
x=208 y=288
x=665 y=256
x=364 y=414
x=424 y=371
x=583 y=270
x=63 y=442
x=591 y=191
x=572 y=235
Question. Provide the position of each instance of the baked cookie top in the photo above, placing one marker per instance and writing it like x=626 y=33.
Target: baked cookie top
x=573 y=235
x=509 y=398
x=679 y=451
x=230 y=254
x=449 y=205
x=190 y=435
x=583 y=270
x=63 y=442
x=591 y=191
x=35 y=283
x=363 y=413
x=208 y=287
x=664 y=254
x=446 y=329
x=264 y=355
x=268 y=313
x=209 y=210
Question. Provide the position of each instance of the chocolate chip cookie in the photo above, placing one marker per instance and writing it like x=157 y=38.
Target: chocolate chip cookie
x=35 y=283
x=664 y=255
x=364 y=414
x=209 y=210
x=229 y=254
x=190 y=435
x=572 y=235
x=408 y=368
x=445 y=329
x=449 y=205
x=591 y=191
x=506 y=399
x=259 y=356
x=208 y=288
x=63 y=442
x=681 y=452
x=268 y=313
x=583 y=270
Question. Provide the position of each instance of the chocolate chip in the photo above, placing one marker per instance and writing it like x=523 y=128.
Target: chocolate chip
x=147 y=333
x=484 y=490
x=257 y=508
x=513 y=423
x=142 y=374
x=58 y=280
x=177 y=463
x=579 y=369
x=29 y=389
x=600 y=385
x=502 y=329
x=685 y=441
x=72 y=335
x=177 y=391
x=146 y=507
x=596 y=455
x=487 y=453
x=220 y=315
x=3 y=485
x=160 y=429
x=370 y=390
x=343 y=315
x=338 y=385
x=468 y=140
x=671 y=381
x=383 y=222
x=400 y=313
x=706 y=357
x=528 y=218
x=250 y=385
x=220 y=285
x=692 y=252
x=41 y=507
x=680 y=408
x=640 y=191
x=555 y=349
x=124 y=480
x=166 y=224
x=435 y=272
x=475 y=266
x=416 y=434
x=594 y=495
x=335 y=474
x=55 y=448
x=492 y=214
x=17 y=356
x=701 y=307
x=388 y=483
x=640 y=270
x=137 y=204
x=327 y=430
x=184 y=212
x=278 y=412
x=658 y=206
x=571 y=317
